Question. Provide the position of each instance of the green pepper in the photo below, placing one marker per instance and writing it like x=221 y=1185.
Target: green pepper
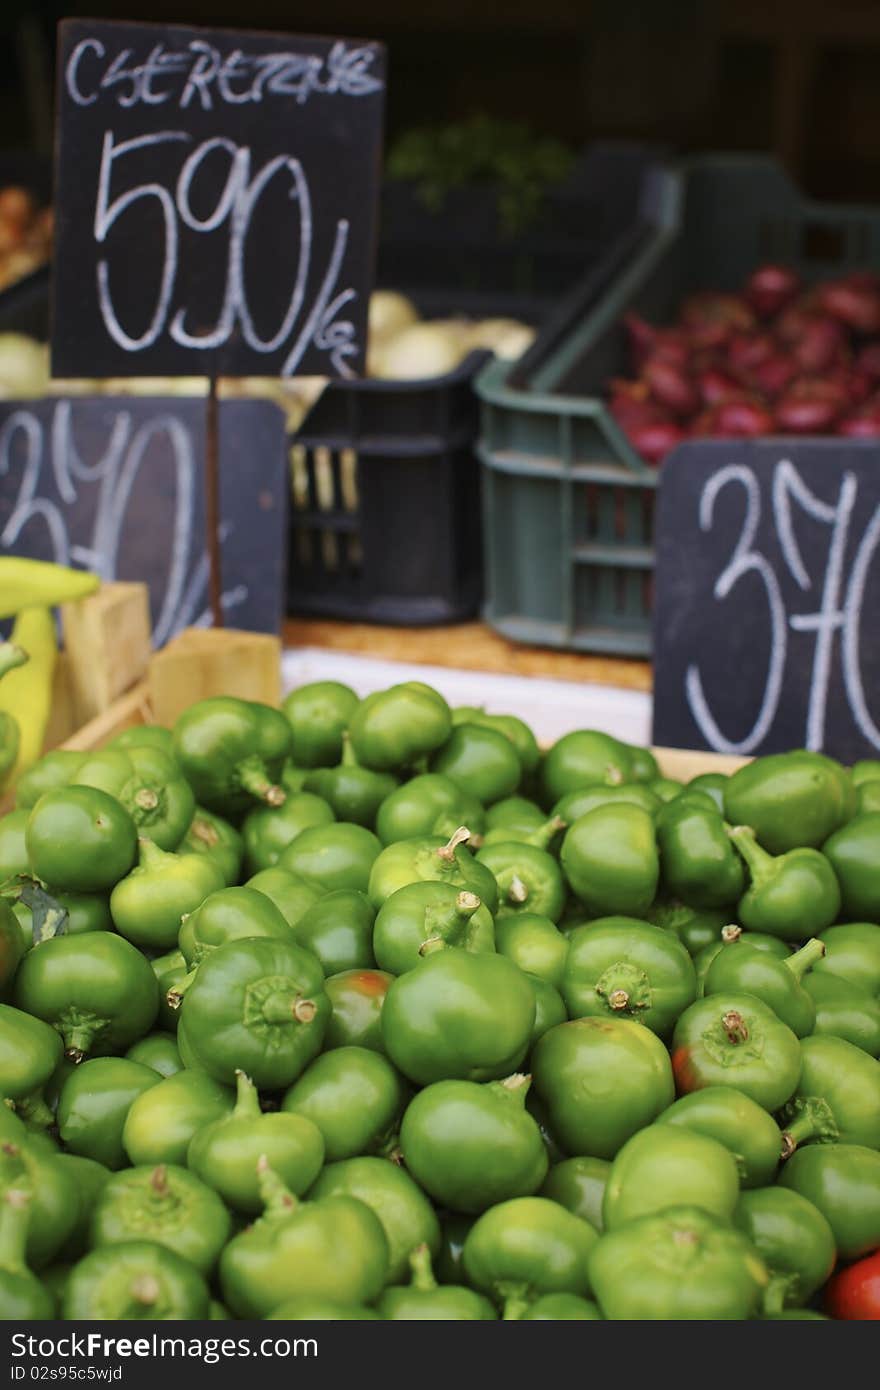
x=730 y=936
x=669 y=1166
x=394 y=728
x=427 y=916
x=355 y=793
x=643 y=764
x=354 y=1097
x=609 y=858
x=170 y=971
x=736 y=1040
x=845 y=1011
x=714 y=784
x=148 y=904
x=431 y=859
x=330 y=1247
x=225 y=1153
x=165 y=1204
x=96 y=989
x=601 y=1080
x=81 y=839
x=868 y=798
x=47 y=774
x=584 y=758
x=333 y=856
x=843 y=1181
x=458 y=1016
x=515 y=814
x=539 y=837
x=470 y=1146
x=231 y=752
x=733 y=1119
x=404 y=1212
x=137 y=1279
x=695 y=929
x=852 y=951
x=145 y=736
x=624 y=968
x=790 y=800
x=54 y=1206
x=149 y=784
x=792 y=896
x=158 y=1051
x=424 y=1300
x=291 y=893
x=665 y=788
x=535 y=944
x=678 y=1264
x=550 y=1008
x=230 y=914
x=578 y=1184
x=256 y=1004
x=837 y=1097
x=23 y=1297
x=89 y=1179
x=162 y=1120
x=11 y=946
x=215 y=837
x=93 y=1105
x=307 y=1309
x=429 y=804
x=318 y=714
x=744 y=970
x=529 y=879
x=561 y=1307
x=481 y=761
x=854 y=854
x=268 y=830
x=526 y=1247
x=357 y=998
x=30 y=1051
x=512 y=727
x=13 y=849
x=700 y=866
x=338 y=929
x=866 y=770
x=575 y=804
x=793 y=1239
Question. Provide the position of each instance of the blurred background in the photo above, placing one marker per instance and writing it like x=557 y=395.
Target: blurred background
x=796 y=78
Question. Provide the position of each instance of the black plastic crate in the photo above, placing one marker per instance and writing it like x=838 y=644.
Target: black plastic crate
x=385 y=515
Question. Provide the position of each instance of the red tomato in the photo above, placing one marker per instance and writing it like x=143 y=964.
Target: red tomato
x=854 y=1293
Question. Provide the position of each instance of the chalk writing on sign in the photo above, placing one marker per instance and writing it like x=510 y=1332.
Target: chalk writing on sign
x=118 y=489
x=767 y=600
x=218 y=191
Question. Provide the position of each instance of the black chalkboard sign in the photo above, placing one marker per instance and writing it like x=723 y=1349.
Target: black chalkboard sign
x=767 y=599
x=216 y=196
x=117 y=486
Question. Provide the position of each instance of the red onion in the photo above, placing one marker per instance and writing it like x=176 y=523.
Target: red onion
x=822 y=344
x=716 y=385
x=770 y=287
x=868 y=360
x=711 y=319
x=748 y=350
x=742 y=418
x=655 y=441
x=862 y=424
x=810 y=406
x=773 y=375
x=853 y=302
x=671 y=386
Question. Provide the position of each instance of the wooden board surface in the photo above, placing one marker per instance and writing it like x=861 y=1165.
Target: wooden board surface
x=467 y=646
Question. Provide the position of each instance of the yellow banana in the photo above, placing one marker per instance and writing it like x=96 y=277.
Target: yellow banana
x=26 y=693
x=24 y=583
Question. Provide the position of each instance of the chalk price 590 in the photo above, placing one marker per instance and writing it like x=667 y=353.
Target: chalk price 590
x=302 y=324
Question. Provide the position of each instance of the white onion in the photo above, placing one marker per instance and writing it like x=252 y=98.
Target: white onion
x=423 y=350
x=389 y=312
x=507 y=338
x=24 y=366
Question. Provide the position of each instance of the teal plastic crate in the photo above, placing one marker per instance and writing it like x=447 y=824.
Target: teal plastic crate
x=568 y=506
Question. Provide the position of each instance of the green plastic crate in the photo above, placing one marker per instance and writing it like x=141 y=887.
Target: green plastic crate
x=567 y=505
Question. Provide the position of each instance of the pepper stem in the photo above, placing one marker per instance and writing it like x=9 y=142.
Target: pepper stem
x=812 y=1120
x=78 y=1039
x=150 y=856
x=247 y=1098
x=253 y=777
x=11 y=656
x=204 y=831
x=159 y=1180
x=759 y=862
x=34 y=1110
x=618 y=999
x=459 y=837
x=544 y=834
x=445 y=925
x=777 y=1292
x=518 y=891
x=276 y=1198
x=348 y=755
x=732 y=932
x=513 y=1088
x=735 y=1027
x=514 y=1300
x=284 y=1005
x=145 y=1289
x=422 y=1272
x=174 y=997
x=146 y=799
x=804 y=959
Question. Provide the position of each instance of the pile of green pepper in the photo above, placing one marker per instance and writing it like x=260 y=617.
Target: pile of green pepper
x=368 y=1009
